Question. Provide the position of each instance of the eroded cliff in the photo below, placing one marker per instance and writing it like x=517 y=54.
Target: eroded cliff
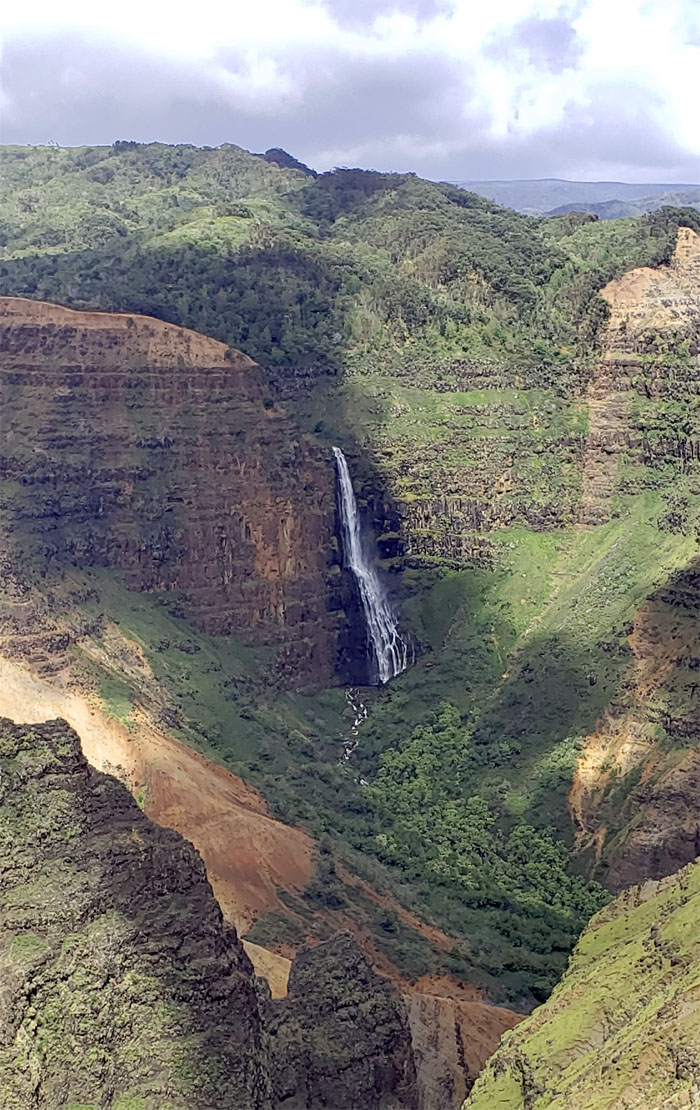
x=341 y=1037
x=453 y=1036
x=155 y=451
x=122 y=986
x=635 y=788
x=643 y=395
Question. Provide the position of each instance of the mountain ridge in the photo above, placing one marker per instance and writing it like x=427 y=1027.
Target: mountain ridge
x=551 y=196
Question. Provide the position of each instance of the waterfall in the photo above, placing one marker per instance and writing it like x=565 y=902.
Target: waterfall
x=389 y=649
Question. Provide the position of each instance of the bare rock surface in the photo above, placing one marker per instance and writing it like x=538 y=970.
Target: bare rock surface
x=133 y=444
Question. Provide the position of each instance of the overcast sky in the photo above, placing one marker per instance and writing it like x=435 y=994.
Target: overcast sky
x=453 y=89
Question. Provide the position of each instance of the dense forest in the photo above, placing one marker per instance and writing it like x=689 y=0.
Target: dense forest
x=334 y=271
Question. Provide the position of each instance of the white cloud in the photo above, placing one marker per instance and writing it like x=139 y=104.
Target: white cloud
x=505 y=71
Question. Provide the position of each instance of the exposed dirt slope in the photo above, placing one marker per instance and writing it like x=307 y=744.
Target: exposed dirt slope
x=249 y=855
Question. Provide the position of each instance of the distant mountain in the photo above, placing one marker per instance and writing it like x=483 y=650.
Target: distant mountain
x=624 y=209
x=552 y=196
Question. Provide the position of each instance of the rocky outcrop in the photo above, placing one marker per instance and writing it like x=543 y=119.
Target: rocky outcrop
x=150 y=449
x=121 y=984
x=452 y=1038
x=635 y=791
x=649 y=357
x=622 y=1028
x=340 y=1038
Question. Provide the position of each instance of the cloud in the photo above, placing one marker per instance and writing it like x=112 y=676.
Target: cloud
x=444 y=87
x=547 y=44
x=364 y=13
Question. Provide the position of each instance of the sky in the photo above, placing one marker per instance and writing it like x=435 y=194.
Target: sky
x=450 y=89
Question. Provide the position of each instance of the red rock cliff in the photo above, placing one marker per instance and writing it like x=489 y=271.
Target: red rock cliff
x=145 y=447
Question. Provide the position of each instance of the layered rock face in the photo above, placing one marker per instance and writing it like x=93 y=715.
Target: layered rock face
x=493 y=447
x=150 y=449
x=340 y=1038
x=623 y=1026
x=644 y=394
x=122 y=986
x=452 y=1039
x=634 y=799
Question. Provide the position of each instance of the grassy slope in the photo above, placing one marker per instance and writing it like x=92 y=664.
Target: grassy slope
x=623 y=1025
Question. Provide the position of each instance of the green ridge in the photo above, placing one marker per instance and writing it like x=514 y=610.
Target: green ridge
x=622 y=1027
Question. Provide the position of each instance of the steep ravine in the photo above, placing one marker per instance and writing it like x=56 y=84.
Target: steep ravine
x=582 y=505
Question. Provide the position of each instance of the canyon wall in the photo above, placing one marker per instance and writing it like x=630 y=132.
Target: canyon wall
x=621 y=1029
x=490 y=447
x=155 y=451
x=634 y=799
x=643 y=397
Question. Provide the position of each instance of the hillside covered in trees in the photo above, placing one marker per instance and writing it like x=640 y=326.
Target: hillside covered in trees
x=333 y=272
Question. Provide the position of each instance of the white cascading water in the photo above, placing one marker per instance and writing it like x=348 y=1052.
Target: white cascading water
x=390 y=650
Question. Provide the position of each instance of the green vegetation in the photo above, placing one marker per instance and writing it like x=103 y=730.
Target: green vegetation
x=468 y=756
x=116 y=699
x=340 y=273
x=27 y=947
x=623 y=1023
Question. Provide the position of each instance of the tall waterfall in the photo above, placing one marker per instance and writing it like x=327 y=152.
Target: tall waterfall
x=390 y=650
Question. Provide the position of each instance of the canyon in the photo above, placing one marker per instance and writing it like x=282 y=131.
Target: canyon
x=519 y=427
